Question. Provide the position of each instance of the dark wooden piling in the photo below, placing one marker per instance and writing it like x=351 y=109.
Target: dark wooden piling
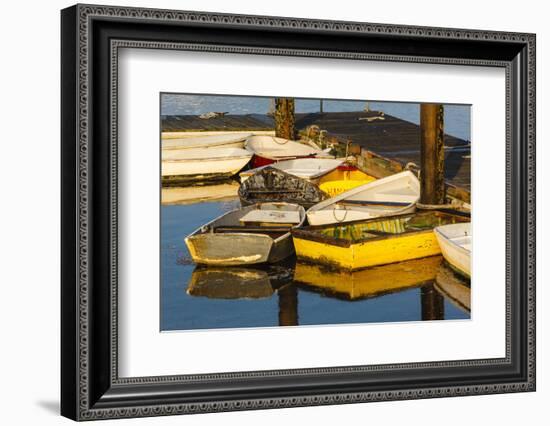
x=284 y=118
x=432 y=154
x=432 y=303
x=288 y=305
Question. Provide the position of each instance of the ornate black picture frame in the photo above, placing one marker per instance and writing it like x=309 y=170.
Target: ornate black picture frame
x=91 y=37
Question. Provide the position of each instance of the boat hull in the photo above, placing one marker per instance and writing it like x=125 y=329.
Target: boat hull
x=325 y=217
x=238 y=249
x=455 y=255
x=202 y=169
x=310 y=169
x=272 y=185
x=394 y=195
x=365 y=255
x=259 y=161
x=342 y=179
x=208 y=141
x=229 y=241
x=358 y=245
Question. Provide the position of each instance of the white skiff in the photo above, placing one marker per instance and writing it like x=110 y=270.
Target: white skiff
x=204 y=163
x=226 y=140
x=393 y=195
x=456 y=245
x=306 y=168
x=270 y=149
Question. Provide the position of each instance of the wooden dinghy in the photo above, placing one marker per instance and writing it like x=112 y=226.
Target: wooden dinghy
x=456 y=245
x=370 y=282
x=270 y=149
x=343 y=178
x=238 y=282
x=202 y=164
x=454 y=287
x=227 y=140
x=272 y=185
x=389 y=196
x=311 y=169
x=256 y=234
x=192 y=194
x=381 y=241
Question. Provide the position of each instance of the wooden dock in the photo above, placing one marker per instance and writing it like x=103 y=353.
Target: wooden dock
x=385 y=135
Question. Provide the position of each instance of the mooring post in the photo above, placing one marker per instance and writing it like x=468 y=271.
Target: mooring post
x=432 y=163
x=288 y=305
x=284 y=118
x=432 y=303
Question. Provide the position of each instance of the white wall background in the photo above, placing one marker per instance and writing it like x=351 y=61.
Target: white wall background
x=29 y=225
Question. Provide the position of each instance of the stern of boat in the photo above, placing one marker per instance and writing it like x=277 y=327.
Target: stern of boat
x=229 y=249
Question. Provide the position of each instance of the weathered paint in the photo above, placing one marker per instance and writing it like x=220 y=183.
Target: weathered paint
x=229 y=249
x=362 y=244
x=371 y=253
x=224 y=241
x=342 y=180
x=272 y=185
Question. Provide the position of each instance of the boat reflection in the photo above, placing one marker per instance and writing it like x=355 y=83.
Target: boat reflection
x=367 y=283
x=434 y=279
x=454 y=287
x=238 y=282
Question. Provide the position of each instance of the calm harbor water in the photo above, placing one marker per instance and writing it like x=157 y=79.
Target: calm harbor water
x=287 y=294
x=293 y=293
x=457 y=117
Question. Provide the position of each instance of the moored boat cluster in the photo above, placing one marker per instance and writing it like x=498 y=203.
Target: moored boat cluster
x=297 y=199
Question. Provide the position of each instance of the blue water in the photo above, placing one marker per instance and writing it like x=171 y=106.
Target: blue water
x=457 y=117
x=181 y=311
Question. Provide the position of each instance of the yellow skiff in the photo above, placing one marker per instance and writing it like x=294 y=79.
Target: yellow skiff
x=342 y=179
x=358 y=245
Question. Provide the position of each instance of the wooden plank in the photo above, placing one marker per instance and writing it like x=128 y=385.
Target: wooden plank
x=396 y=142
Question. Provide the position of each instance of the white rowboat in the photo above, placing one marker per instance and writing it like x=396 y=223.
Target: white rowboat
x=306 y=168
x=455 y=242
x=393 y=195
x=204 y=163
x=226 y=140
x=269 y=149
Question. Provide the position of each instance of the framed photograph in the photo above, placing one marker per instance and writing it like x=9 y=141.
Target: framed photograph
x=263 y=212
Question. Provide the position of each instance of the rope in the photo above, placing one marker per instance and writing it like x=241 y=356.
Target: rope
x=436 y=206
x=345 y=214
x=410 y=165
x=279 y=143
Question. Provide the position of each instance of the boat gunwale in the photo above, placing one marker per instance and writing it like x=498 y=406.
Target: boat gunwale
x=310 y=232
x=198 y=231
x=360 y=188
x=463 y=250
x=252 y=172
